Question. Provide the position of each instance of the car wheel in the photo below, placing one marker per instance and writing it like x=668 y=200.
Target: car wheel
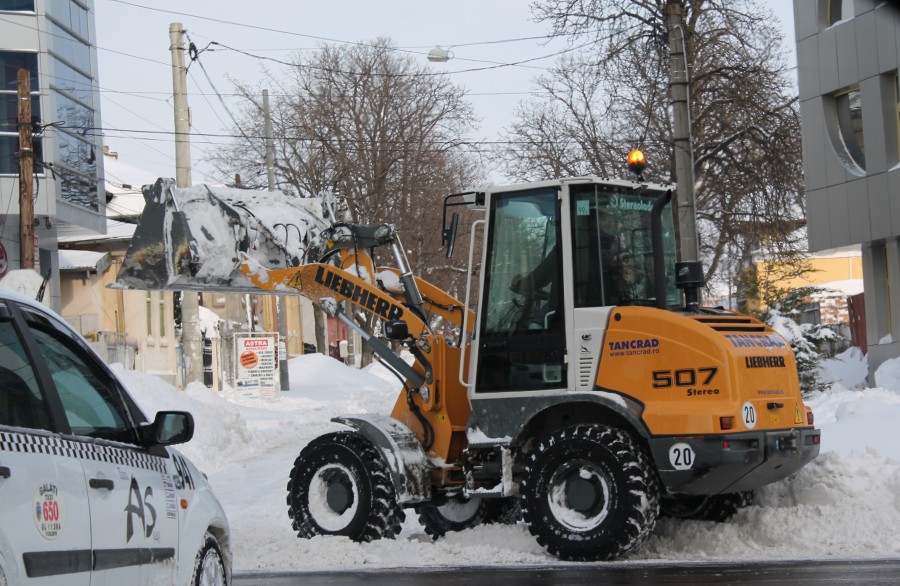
x=209 y=569
x=341 y=485
x=589 y=493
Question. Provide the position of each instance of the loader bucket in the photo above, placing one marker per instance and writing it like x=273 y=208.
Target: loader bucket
x=192 y=238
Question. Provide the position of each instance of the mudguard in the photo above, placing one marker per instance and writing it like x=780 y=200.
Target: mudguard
x=402 y=452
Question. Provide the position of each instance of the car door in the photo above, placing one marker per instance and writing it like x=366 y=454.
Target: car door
x=45 y=525
x=134 y=524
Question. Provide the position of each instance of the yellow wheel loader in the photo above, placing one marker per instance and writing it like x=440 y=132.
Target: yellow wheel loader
x=585 y=392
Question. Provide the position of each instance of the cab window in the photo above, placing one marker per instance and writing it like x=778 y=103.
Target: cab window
x=612 y=247
x=21 y=403
x=92 y=404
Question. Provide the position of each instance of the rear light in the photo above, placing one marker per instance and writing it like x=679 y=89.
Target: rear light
x=726 y=423
x=726 y=445
x=816 y=440
x=809 y=417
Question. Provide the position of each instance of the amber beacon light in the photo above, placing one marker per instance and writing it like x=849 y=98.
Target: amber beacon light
x=637 y=163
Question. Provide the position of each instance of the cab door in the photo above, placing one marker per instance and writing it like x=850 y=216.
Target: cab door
x=45 y=535
x=521 y=341
x=134 y=525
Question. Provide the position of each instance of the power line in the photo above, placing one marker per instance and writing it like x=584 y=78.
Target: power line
x=146 y=94
x=329 y=39
x=493 y=66
x=195 y=58
x=362 y=143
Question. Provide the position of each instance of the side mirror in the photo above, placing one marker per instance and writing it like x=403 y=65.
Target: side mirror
x=172 y=427
x=448 y=235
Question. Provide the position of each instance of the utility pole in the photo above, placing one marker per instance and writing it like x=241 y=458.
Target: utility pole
x=284 y=377
x=679 y=80
x=190 y=332
x=26 y=173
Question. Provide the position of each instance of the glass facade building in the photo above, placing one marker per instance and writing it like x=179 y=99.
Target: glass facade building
x=55 y=41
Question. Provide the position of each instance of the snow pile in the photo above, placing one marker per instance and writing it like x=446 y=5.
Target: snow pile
x=25 y=282
x=844 y=504
x=221 y=432
x=208 y=323
x=848 y=368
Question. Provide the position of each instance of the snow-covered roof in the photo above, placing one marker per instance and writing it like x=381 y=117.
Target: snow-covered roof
x=83 y=260
x=845 y=287
x=115 y=231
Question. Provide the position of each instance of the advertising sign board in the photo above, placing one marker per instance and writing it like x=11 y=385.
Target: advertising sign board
x=256 y=368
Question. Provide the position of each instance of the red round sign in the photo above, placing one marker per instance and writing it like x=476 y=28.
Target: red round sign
x=4 y=264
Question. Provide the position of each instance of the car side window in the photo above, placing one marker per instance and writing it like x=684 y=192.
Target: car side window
x=21 y=403
x=91 y=402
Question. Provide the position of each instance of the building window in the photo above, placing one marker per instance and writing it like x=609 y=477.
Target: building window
x=897 y=109
x=76 y=157
x=846 y=129
x=17 y=5
x=65 y=46
x=149 y=317
x=10 y=64
x=70 y=15
x=839 y=10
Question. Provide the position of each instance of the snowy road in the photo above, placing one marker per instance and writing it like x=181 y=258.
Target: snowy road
x=843 y=506
x=870 y=573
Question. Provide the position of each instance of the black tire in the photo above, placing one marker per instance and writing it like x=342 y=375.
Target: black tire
x=460 y=513
x=209 y=568
x=718 y=508
x=589 y=493
x=456 y=514
x=357 y=499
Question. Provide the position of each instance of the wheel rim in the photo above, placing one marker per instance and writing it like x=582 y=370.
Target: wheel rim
x=579 y=495
x=459 y=510
x=212 y=572
x=333 y=497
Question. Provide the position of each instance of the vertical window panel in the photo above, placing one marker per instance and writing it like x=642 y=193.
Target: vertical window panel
x=17 y=5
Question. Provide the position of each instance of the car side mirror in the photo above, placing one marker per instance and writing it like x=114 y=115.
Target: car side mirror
x=172 y=427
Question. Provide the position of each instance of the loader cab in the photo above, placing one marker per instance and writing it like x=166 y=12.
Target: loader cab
x=558 y=255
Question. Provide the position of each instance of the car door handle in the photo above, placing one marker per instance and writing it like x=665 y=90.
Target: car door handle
x=101 y=483
x=4 y=472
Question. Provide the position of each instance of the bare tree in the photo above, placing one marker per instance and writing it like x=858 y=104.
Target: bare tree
x=371 y=124
x=613 y=96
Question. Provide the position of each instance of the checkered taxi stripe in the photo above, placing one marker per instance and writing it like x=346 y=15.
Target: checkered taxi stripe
x=37 y=444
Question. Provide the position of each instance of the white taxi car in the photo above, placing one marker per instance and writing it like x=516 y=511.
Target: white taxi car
x=90 y=492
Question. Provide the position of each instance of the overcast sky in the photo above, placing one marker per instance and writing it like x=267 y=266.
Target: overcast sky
x=136 y=82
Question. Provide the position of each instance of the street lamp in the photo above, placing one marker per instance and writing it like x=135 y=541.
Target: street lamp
x=440 y=55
